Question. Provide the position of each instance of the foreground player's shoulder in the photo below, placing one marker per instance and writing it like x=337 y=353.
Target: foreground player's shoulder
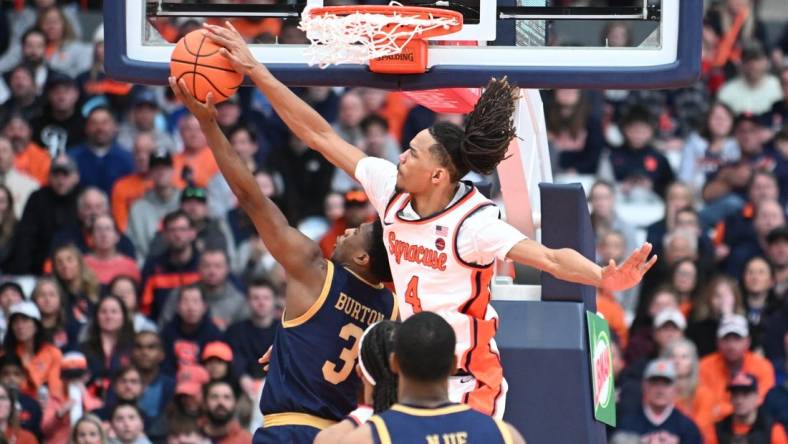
x=363 y=435
x=509 y=434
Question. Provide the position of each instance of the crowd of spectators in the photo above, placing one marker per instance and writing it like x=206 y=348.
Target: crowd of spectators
x=136 y=296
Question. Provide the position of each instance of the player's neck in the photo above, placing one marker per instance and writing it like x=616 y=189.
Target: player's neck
x=423 y=394
x=363 y=273
x=434 y=200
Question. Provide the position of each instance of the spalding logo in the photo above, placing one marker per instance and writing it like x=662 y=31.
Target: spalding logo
x=603 y=389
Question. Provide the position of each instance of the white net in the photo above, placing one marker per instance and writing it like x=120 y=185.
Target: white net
x=360 y=37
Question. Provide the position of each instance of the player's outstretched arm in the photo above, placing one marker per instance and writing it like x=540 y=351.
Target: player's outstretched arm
x=302 y=120
x=569 y=265
x=299 y=255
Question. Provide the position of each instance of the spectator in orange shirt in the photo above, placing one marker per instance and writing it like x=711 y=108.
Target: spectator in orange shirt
x=694 y=400
x=610 y=309
x=357 y=211
x=104 y=258
x=733 y=343
x=748 y=423
x=25 y=337
x=221 y=425
x=130 y=188
x=29 y=157
x=195 y=165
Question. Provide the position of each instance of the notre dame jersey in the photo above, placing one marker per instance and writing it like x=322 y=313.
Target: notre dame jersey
x=313 y=359
x=450 y=424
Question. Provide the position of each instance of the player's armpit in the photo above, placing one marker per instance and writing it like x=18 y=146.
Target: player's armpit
x=362 y=435
x=517 y=438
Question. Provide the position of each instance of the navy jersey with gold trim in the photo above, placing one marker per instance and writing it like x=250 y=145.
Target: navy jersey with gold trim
x=313 y=359
x=450 y=424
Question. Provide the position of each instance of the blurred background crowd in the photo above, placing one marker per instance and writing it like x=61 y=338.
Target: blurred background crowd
x=136 y=296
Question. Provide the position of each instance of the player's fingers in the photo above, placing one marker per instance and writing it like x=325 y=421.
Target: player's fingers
x=210 y=102
x=650 y=264
x=216 y=34
x=230 y=26
x=186 y=96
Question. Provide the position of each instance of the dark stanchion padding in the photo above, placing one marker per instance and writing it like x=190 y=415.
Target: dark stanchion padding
x=544 y=346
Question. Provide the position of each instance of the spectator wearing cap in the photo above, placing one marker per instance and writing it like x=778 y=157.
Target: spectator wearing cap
x=637 y=164
x=25 y=338
x=357 y=211
x=226 y=303
x=212 y=234
x=48 y=209
x=133 y=186
x=185 y=336
x=100 y=159
x=692 y=399
x=755 y=90
x=142 y=119
x=158 y=387
x=252 y=337
x=174 y=268
x=658 y=420
x=146 y=212
x=104 y=258
x=24 y=94
x=642 y=346
x=195 y=165
x=748 y=423
x=777 y=254
x=221 y=427
x=60 y=112
x=12 y=375
x=188 y=401
x=64 y=409
x=19 y=185
x=91 y=203
x=217 y=358
x=244 y=142
x=29 y=157
x=733 y=356
x=769 y=214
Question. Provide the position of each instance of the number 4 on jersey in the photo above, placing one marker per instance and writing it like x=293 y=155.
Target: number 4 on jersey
x=412 y=294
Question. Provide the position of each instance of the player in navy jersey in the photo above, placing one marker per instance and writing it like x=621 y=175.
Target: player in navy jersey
x=424 y=359
x=311 y=382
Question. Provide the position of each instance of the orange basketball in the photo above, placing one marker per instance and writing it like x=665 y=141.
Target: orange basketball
x=197 y=60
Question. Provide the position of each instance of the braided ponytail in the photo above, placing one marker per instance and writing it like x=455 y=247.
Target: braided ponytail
x=482 y=145
x=376 y=347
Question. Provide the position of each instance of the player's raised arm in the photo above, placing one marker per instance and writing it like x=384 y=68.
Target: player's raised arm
x=569 y=265
x=299 y=255
x=302 y=120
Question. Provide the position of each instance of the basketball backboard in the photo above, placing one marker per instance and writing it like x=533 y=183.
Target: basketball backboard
x=537 y=43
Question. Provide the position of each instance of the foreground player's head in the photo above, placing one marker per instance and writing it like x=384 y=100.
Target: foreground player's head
x=377 y=344
x=363 y=249
x=445 y=152
x=424 y=349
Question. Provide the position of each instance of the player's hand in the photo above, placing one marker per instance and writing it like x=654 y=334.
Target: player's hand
x=629 y=273
x=233 y=47
x=265 y=359
x=202 y=111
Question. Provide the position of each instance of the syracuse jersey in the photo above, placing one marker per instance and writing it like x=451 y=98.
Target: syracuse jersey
x=311 y=379
x=430 y=275
x=452 y=424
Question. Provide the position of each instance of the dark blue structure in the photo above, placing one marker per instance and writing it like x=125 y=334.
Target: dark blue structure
x=544 y=345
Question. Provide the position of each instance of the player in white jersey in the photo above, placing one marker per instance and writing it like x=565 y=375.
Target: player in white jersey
x=443 y=236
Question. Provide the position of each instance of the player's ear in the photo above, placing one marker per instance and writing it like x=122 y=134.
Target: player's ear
x=394 y=364
x=361 y=258
x=438 y=174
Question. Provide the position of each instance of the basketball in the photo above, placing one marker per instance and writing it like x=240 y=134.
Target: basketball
x=197 y=60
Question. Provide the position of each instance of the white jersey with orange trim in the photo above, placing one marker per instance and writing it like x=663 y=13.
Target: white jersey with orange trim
x=444 y=264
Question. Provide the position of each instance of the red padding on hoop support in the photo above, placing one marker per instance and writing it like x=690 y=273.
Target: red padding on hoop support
x=447 y=100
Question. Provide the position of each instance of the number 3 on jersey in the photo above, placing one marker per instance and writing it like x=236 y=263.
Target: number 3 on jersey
x=412 y=294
